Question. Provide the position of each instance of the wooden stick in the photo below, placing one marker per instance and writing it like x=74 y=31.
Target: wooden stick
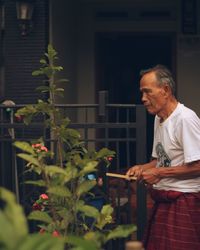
x=123 y=176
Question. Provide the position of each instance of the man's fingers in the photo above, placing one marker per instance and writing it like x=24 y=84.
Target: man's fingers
x=130 y=172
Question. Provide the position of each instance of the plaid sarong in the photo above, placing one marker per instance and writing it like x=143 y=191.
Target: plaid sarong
x=175 y=221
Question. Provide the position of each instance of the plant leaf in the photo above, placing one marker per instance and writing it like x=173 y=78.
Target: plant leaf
x=30 y=159
x=107 y=209
x=40 y=216
x=12 y=219
x=62 y=80
x=59 y=90
x=43 y=89
x=39 y=183
x=37 y=73
x=104 y=152
x=96 y=237
x=81 y=244
x=24 y=146
x=88 y=168
x=59 y=191
x=41 y=242
x=105 y=216
x=121 y=231
x=84 y=187
x=51 y=52
x=43 y=61
x=53 y=169
x=89 y=211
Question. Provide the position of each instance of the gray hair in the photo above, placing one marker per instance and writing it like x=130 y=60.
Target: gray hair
x=163 y=75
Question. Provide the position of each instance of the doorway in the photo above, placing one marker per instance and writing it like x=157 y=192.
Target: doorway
x=120 y=56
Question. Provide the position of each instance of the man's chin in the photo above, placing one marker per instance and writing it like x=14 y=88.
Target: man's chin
x=150 y=111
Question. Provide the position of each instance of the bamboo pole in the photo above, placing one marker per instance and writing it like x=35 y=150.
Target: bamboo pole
x=123 y=176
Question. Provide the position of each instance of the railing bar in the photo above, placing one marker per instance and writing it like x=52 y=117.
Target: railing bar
x=118 y=193
x=74 y=125
x=2 y=106
x=117 y=116
x=85 y=127
x=127 y=136
x=89 y=140
x=110 y=134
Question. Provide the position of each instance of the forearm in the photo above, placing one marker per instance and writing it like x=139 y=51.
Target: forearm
x=149 y=165
x=187 y=171
x=137 y=170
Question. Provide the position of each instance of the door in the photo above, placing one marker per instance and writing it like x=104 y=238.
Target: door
x=119 y=58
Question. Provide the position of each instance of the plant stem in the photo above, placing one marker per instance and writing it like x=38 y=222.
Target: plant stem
x=54 y=119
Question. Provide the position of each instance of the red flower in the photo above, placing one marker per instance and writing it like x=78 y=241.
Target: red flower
x=39 y=147
x=43 y=148
x=19 y=118
x=37 y=206
x=44 y=197
x=109 y=158
x=56 y=233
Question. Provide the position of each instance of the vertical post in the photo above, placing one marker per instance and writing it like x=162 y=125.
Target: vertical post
x=103 y=100
x=14 y=171
x=140 y=159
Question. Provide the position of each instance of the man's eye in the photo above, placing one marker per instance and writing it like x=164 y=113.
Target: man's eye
x=146 y=91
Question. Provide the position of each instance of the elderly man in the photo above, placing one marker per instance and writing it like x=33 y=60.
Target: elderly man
x=173 y=174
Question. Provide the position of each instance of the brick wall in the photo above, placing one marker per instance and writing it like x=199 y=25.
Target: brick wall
x=22 y=53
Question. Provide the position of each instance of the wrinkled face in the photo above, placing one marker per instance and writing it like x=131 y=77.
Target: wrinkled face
x=154 y=97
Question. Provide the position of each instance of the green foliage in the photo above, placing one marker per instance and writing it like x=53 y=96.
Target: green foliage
x=10 y=226
x=66 y=210
x=14 y=229
x=121 y=231
x=40 y=216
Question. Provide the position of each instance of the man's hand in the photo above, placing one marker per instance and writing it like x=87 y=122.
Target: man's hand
x=144 y=174
x=150 y=176
x=135 y=171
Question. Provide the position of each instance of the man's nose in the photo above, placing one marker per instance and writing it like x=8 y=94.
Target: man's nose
x=144 y=97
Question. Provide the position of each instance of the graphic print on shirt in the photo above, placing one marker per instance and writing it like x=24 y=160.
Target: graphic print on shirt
x=163 y=159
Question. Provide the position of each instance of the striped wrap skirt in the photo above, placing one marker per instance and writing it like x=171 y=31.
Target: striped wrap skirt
x=174 y=223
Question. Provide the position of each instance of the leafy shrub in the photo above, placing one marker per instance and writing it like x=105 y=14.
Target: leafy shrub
x=62 y=210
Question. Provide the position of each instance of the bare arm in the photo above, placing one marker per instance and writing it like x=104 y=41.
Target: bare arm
x=138 y=169
x=149 y=165
x=187 y=171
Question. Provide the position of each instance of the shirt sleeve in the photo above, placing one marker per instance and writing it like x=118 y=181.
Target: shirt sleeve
x=189 y=135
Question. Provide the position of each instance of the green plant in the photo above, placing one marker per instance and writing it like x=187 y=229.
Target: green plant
x=65 y=210
x=14 y=233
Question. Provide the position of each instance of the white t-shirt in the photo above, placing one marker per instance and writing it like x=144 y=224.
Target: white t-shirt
x=177 y=141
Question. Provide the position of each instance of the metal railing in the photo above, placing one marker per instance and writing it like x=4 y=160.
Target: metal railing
x=119 y=127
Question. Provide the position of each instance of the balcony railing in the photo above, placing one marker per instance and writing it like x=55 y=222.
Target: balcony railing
x=119 y=127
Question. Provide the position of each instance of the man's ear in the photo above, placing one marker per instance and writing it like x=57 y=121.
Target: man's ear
x=167 y=90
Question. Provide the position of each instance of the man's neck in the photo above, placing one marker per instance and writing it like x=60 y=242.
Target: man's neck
x=168 y=109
